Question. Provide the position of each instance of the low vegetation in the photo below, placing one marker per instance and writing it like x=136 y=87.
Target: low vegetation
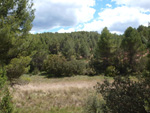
x=68 y=94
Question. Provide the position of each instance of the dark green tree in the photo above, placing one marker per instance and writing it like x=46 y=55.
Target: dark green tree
x=103 y=53
x=84 y=50
x=68 y=48
x=55 y=66
x=124 y=96
x=15 y=23
x=17 y=67
x=132 y=45
x=37 y=61
x=144 y=32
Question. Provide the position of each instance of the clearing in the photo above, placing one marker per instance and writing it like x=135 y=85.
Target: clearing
x=54 y=95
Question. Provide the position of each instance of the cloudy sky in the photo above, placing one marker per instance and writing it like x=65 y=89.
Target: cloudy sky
x=89 y=15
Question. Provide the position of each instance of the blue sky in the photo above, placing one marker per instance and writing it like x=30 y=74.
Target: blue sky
x=89 y=15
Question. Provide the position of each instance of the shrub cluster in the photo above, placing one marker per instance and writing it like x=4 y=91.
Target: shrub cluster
x=111 y=71
x=58 y=66
x=123 y=96
x=17 y=67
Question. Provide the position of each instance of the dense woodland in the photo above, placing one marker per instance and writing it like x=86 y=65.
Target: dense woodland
x=76 y=53
x=91 y=52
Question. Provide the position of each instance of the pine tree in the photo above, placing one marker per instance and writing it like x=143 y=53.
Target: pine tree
x=104 y=44
x=16 y=17
x=132 y=45
x=68 y=48
x=103 y=52
x=15 y=23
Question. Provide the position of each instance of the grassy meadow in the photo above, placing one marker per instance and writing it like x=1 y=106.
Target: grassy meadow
x=38 y=94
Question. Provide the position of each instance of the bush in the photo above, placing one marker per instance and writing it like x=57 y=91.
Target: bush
x=111 y=71
x=97 y=66
x=58 y=66
x=37 y=62
x=93 y=104
x=2 y=81
x=76 y=67
x=55 y=65
x=17 y=67
x=89 y=71
x=35 y=71
x=125 y=96
x=23 y=80
x=141 y=65
x=6 y=105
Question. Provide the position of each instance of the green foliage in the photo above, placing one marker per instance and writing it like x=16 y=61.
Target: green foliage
x=6 y=105
x=93 y=105
x=103 y=53
x=144 y=34
x=76 y=67
x=35 y=71
x=17 y=67
x=141 y=65
x=55 y=65
x=81 y=45
x=37 y=62
x=23 y=80
x=132 y=45
x=15 y=24
x=89 y=71
x=58 y=66
x=84 y=50
x=127 y=53
x=68 y=48
x=111 y=71
x=125 y=96
x=2 y=81
x=104 y=44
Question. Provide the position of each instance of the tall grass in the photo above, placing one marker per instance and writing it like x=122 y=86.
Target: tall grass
x=55 y=95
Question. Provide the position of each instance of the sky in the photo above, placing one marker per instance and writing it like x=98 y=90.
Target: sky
x=89 y=15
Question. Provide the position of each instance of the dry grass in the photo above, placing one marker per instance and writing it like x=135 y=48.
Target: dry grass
x=46 y=87
x=44 y=95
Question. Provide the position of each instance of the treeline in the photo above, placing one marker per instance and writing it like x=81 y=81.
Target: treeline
x=127 y=54
x=75 y=44
x=91 y=53
x=66 y=53
x=77 y=53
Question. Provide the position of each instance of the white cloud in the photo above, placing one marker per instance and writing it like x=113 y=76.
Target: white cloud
x=118 y=19
x=66 y=31
x=108 y=5
x=85 y=14
x=134 y=3
x=75 y=2
x=96 y=25
x=76 y=14
x=54 y=13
